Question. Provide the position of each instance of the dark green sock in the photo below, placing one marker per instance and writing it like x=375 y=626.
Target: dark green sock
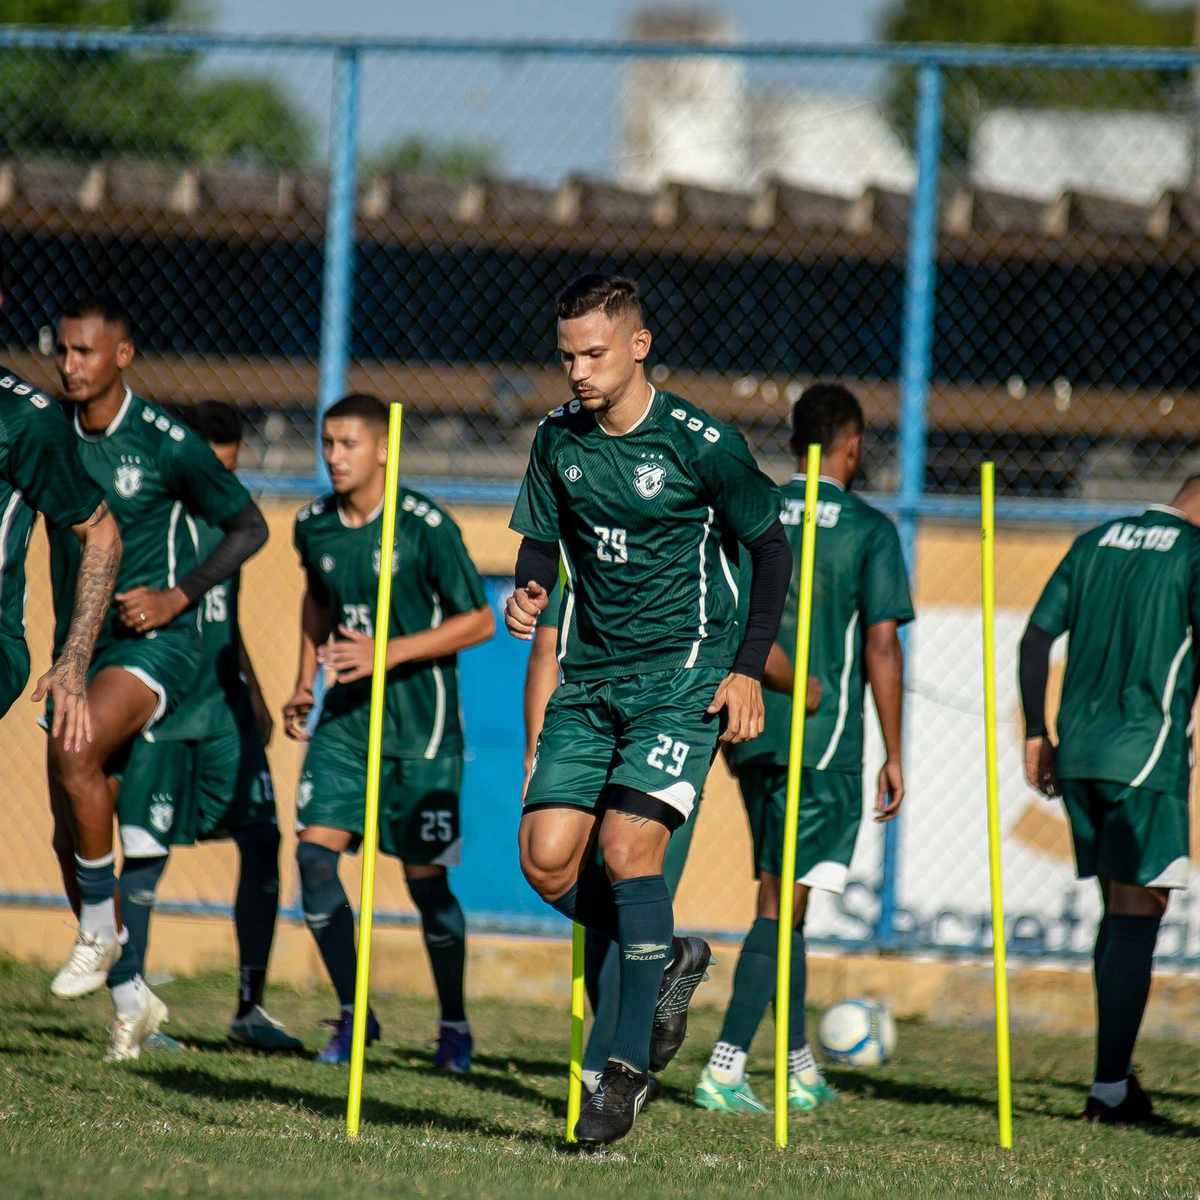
x=646 y=926
x=1098 y=951
x=255 y=910
x=753 y=983
x=139 y=881
x=445 y=930
x=797 y=1035
x=1122 y=989
x=602 y=973
x=327 y=914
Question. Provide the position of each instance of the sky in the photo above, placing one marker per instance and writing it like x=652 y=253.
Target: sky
x=542 y=119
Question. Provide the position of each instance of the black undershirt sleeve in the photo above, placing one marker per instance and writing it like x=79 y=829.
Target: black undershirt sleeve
x=1033 y=672
x=771 y=563
x=537 y=561
x=245 y=535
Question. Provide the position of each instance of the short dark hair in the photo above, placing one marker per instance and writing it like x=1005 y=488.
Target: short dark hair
x=824 y=415
x=99 y=304
x=613 y=295
x=366 y=408
x=218 y=422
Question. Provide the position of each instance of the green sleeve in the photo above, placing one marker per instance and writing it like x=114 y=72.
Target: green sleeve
x=536 y=512
x=312 y=576
x=552 y=613
x=1051 y=612
x=885 y=594
x=452 y=574
x=46 y=468
x=201 y=481
x=746 y=502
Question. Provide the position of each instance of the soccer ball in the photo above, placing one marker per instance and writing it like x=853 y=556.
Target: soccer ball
x=857 y=1033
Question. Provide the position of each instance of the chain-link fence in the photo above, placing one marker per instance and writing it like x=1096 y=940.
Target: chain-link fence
x=997 y=249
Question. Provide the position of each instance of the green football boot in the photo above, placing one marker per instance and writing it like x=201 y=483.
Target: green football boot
x=721 y=1097
x=807 y=1097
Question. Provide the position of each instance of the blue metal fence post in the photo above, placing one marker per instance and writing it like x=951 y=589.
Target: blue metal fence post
x=920 y=284
x=337 y=283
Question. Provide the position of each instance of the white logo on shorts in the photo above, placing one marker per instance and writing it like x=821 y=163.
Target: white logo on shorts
x=328 y=563
x=162 y=810
x=304 y=793
x=128 y=476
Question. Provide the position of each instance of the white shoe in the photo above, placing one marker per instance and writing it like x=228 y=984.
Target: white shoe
x=126 y=1034
x=88 y=967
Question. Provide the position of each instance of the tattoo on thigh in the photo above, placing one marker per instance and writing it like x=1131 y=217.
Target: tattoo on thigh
x=634 y=819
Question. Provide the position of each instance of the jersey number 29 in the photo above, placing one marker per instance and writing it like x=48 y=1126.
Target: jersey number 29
x=610 y=546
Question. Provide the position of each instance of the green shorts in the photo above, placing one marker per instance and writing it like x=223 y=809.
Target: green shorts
x=651 y=732
x=418 y=800
x=1127 y=834
x=14 y=670
x=831 y=811
x=164 y=661
x=177 y=793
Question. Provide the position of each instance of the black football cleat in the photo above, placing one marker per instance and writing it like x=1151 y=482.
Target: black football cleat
x=688 y=970
x=1135 y=1109
x=609 y=1115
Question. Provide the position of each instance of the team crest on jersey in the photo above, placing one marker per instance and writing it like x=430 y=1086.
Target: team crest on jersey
x=573 y=474
x=162 y=810
x=648 y=478
x=127 y=479
x=375 y=559
x=327 y=563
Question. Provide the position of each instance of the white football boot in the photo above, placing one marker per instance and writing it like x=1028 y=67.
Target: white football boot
x=126 y=1034
x=87 y=969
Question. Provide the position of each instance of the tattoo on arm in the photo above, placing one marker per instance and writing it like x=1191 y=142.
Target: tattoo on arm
x=93 y=594
x=99 y=514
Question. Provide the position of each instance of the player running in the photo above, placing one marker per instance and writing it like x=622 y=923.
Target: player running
x=648 y=498
x=40 y=472
x=860 y=599
x=156 y=475
x=205 y=776
x=1128 y=594
x=438 y=608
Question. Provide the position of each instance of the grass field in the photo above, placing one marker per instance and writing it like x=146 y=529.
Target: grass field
x=215 y=1122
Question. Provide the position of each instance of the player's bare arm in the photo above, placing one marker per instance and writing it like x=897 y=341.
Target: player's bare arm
x=315 y=629
x=780 y=676
x=541 y=679
x=66 y=681
x=884 y=667
x=352 y=655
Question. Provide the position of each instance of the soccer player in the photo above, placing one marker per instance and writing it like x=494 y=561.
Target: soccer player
x=648 y=498
x=1128 y=594
x=155 y=475
x=860 y=599
x=602 y=960
x=438 y=608
x=205 y=776
x=40 y=472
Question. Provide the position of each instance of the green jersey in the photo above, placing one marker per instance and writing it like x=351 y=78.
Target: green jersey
x=1128 y=595
x=155 y=474
x=859 y=580
x=39 y=472
x=219 y=686
x=648 y=525
x=432 y=578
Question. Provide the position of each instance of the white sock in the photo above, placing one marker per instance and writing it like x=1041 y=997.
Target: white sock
x=99 y=920
x=129 y=999
x=1110 y=1093
x=591 y=1080
x=727 y=1064
x=456 y=1026
x=802 y=1063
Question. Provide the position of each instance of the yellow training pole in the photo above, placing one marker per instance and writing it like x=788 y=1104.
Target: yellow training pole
x=575 y=1082
x=1000 y=970
x=366 y=912
x=787 y=886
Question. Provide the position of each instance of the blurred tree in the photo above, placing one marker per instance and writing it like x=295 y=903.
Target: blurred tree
x=969 y=93
x=458 y=162
x=102 y=104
